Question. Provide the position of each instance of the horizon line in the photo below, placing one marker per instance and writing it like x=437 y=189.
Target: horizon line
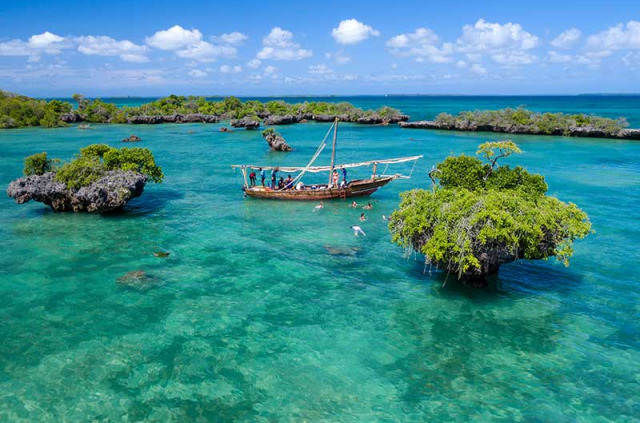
x=630 y=94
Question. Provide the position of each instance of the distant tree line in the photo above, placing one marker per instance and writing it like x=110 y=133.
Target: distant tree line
x=18 y=111
x=521 y=120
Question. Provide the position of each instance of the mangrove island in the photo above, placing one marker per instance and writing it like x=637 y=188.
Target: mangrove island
x=99 y=179
x=527 y=122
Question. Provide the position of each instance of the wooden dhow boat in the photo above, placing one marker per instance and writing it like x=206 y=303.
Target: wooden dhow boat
x=296 y=190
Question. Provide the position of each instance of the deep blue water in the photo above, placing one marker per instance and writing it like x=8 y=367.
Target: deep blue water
x=268 y=311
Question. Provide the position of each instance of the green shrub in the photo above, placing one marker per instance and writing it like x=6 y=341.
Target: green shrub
x=38 y=164
x=136 y=159
x=80 y=172
x=95 y=150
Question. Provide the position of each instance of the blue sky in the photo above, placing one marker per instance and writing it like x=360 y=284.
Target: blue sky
x=55 y=48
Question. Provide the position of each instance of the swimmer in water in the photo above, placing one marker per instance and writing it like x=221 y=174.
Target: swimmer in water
x=318 y=207
x=357 y=229
x=368 y=206
x=363 y=217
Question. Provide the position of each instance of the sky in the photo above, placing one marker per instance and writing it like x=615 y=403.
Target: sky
x=260 y=48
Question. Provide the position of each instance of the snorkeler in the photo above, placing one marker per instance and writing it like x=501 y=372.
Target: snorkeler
x=357 y=229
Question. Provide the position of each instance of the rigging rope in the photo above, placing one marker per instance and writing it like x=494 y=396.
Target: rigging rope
x=323 y=144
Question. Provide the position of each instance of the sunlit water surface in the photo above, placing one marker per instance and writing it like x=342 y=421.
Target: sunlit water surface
x=268 y=311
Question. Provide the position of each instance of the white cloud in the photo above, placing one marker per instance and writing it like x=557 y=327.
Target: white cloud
x=632 y=60
x=422 y=45
x=486 y=36
x=420 y=36
x=592 y=58
x=555 y=57
x=188 y=44
x=352 y=31
x=174 y=38
x=107 y=46
x=513 y=58
x=279 y=45
x=206 y=52
x=232 y=38
x=617 y=37
x=254 y=64
x=338 y=57
x=270 y=70
x=230 y=69
x=478 y=69
x=319 y=69
x=394 y=66
x=567 y=39
x=45 y=43
x=197 y=73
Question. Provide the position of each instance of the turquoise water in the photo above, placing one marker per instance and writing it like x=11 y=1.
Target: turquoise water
x=268 y=312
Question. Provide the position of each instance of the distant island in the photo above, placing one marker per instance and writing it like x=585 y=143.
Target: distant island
x=523 y=121
x=19 y=111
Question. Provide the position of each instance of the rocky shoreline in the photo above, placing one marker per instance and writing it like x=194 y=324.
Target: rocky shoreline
x=581 y=131
x=109 y=193
x=266 y=119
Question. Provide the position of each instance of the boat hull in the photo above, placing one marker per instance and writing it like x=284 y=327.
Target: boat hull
x=359 y=188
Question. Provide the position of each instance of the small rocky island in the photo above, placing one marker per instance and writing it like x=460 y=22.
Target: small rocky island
x=527 y=122
x=110 y=192
x=100 y=179
x=275 y=140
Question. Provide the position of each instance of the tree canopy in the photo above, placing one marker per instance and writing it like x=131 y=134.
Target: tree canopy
x=522 y=120
x=95 y=160
x=479 y=216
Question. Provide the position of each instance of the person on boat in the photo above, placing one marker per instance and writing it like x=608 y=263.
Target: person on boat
x=354 y=204
x=281 y=183
x=368 y=206
x=288 y=183
x=300 y=186
x=363 y=217
x=273 y=178
x=335 y=178
x=344 y=175
x=252 y=178
x=262 y=176
x=357 y=229
x=318 y=207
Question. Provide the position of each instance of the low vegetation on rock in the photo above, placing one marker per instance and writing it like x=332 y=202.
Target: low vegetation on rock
x=99 y=179
x=18 y=111
x=521 y=120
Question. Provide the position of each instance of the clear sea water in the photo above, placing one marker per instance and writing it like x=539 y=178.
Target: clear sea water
x=270 y=312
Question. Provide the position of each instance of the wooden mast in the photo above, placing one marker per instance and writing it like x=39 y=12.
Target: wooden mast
x=333 y=150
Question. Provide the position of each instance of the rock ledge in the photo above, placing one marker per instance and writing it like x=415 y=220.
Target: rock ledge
x=110 y=192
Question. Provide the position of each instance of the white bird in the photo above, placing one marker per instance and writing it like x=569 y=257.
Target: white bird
x=357 y=229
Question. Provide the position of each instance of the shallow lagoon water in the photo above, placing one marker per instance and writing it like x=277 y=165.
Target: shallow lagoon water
x=267 y=311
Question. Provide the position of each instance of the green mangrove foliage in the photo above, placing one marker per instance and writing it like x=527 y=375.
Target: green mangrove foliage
x=39 y=164
x=17 y=111
x=95 y=160
x=479 y=216
x=521 y=120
